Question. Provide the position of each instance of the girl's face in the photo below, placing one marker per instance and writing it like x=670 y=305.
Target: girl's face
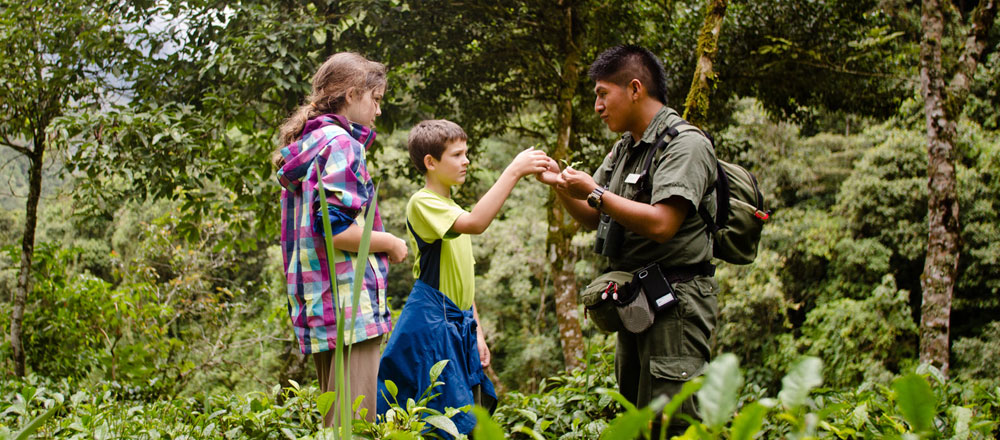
x=363 y=108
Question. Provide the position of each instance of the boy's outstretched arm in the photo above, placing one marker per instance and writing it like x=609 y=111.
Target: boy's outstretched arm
x=530 y=161
x=350 y=240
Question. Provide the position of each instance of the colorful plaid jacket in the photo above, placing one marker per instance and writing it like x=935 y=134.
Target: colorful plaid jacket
x=339 y=149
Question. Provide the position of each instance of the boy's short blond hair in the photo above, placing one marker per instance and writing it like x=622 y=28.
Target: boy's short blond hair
x=430 y=137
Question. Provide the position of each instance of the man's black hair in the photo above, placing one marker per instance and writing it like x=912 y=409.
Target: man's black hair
x=622 y=63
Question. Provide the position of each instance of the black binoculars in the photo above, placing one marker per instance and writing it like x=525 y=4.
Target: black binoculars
x=610 y=235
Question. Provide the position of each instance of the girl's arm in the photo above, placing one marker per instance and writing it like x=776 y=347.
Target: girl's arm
x=484 y=351
x=350 y=240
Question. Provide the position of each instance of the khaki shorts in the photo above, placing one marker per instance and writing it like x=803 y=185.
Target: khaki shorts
x=676 y=348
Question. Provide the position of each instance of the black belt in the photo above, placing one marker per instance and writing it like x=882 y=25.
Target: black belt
x=680 y=274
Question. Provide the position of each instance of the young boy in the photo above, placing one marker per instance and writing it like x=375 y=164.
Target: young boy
x=440 y=320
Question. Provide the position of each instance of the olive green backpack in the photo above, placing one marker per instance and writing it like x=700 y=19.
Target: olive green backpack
x=739 y=214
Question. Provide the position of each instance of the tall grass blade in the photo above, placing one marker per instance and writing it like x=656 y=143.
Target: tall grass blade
x=687 y=390
x=342 y=421
x=33 y=425
x=338 y=354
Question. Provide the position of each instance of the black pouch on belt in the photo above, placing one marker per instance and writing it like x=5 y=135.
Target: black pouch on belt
x=656 y=287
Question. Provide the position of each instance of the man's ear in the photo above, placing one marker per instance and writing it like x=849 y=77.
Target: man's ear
x=429 y=162
x=635 y=88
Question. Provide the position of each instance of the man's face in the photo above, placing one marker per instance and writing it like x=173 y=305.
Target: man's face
x=454 y=163
x=612 y=104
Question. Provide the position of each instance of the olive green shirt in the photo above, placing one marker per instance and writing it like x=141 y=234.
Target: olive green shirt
x=685 y=167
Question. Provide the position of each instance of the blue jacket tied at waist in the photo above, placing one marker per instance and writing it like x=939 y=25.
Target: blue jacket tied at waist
x=430 y=329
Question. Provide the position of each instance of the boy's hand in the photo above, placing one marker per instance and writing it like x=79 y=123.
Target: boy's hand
x=529 y=161
x=551 y=175
x=397 y=253
x=576 y=184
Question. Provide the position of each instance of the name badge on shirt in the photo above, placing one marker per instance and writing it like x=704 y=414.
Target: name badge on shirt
x=632 y=178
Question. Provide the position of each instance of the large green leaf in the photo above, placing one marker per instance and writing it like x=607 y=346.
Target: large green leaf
x=916 y=401
x=628 y=425
x=486 y=428
x=748 y=422
x=719 y=393
x=443 y=423
x=437 y=369
x=796 y=385
x=325 y=401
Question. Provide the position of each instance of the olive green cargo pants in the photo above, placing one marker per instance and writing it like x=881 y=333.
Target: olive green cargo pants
x=673 y=350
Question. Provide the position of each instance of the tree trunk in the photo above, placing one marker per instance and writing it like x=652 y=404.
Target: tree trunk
x=941 y=264
x=27 y=252
x=941 y=107
x=696 y=104
x=562 y=227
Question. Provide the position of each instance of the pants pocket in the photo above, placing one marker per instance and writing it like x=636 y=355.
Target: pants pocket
x=676 y=368
x=669 y=374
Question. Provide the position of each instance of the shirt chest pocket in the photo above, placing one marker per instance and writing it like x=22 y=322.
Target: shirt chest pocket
x=632 y=185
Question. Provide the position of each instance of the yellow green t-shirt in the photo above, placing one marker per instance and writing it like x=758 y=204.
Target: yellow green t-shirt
x=446 y=258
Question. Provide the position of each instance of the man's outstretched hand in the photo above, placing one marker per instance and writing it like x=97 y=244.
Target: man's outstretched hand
x=551 y=176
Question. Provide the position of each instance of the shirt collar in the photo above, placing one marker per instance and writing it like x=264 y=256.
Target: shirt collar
x=363 y=134
x=663 y=119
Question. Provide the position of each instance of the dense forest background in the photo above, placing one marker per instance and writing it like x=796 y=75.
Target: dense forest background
x=141 y=131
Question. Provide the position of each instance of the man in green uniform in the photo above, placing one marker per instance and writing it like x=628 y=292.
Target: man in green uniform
x=655 y=219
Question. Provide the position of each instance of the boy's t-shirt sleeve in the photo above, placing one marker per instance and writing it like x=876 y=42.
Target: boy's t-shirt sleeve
x=432 y=217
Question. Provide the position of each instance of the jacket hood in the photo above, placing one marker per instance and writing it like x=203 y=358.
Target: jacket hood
x=299 y=155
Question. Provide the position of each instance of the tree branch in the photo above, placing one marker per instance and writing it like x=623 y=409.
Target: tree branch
x=975 y=49
x=15 y=146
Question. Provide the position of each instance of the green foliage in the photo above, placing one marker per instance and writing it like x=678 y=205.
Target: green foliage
x=114 y=333
x=101 y=413
x=921 y=403
x=807 y=54
x=984 y=96
x=885 y=197
x=567 y=406
x=793 y=170
x=59 y=57
x=975 y=358
x=916 y=402
x=417 y=418
x=753 y=316
x=862 y=340
x=977 y=293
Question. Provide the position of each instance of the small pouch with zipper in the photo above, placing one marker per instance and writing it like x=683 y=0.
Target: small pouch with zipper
x=599 y=299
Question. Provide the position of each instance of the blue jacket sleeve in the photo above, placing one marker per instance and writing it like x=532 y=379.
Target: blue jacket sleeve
x=339 y=221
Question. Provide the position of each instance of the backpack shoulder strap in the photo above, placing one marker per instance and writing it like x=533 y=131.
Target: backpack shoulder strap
x=645 y=182
x=675 y=130
x=721 y=183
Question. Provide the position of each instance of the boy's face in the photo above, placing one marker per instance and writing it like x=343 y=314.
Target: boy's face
x=612 y=105
x=453 y=165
